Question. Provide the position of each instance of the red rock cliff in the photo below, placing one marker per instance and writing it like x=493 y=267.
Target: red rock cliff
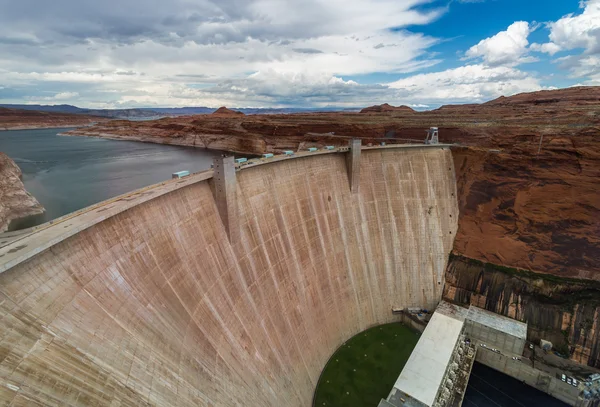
x=15 y=201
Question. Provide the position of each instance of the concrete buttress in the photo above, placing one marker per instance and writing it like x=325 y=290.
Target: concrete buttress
x=353 y=164
x=225 y=184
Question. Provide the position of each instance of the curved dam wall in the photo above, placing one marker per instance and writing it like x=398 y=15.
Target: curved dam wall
x=152 y=305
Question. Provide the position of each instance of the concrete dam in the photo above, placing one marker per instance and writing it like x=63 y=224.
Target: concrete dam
x=156 y=298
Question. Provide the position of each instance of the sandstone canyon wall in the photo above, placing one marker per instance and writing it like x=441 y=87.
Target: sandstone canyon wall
x=561 y=310
x=533 y=211
x=537 y=216
x=154 y=306
x=15 y=201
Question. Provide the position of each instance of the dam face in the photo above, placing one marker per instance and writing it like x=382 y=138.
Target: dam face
x=153 y=305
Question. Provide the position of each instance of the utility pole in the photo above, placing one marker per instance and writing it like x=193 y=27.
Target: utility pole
x=540 y=146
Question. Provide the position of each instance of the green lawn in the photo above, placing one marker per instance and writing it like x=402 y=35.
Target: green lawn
x=364 y=369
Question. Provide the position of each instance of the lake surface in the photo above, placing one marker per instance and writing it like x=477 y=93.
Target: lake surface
x=67 y=173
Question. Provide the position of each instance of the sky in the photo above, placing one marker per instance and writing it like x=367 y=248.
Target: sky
x=300 y=53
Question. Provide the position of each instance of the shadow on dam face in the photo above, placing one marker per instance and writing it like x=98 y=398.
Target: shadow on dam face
x=154 y=306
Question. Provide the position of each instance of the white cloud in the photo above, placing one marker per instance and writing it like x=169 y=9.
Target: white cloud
x=65 y=95
x=245 y=53
x=577 y=31
x=59 y=97
x=262 y=89
x=505 y=48
x=574 y=32
x=111 y=53
x=548 y=48
x=582 y=66
x=471 y=83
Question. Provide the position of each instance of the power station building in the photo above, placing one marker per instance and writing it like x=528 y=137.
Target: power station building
x=437 y=371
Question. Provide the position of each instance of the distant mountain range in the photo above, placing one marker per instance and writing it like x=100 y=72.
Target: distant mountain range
x=142 y=113
x=111 y=113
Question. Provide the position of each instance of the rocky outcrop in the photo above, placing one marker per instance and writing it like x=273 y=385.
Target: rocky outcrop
x=15 y=201
x=386 y=108
x=564 y=311
x=533 y=211
x=575 y=96
x=19 y=119
x=225 y=111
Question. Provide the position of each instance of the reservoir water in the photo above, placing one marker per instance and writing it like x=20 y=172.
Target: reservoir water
x=67 y=173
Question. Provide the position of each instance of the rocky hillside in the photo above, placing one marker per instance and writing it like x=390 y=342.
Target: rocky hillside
x=386 y=108
x=19 y=119
x=534 y=211
x=225 y=111
x=15 y=201
x=569 y=97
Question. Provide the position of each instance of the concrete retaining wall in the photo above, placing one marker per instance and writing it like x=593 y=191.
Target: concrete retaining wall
x=495 y=338
x=533 y=377
x=155 y=306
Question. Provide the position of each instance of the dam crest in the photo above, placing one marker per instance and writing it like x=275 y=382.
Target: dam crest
x=156 y=298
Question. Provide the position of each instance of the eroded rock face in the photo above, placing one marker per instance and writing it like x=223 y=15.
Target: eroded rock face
x=575 y=96
x=15 y=201
x=533 y=211
x=562 y=310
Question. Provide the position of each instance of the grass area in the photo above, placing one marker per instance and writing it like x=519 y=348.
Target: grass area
x=364 y=369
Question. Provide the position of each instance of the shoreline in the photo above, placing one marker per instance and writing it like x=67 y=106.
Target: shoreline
x=158 y=140
x=41 y=127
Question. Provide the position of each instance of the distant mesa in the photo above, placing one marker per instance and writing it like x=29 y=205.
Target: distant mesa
x=386 y=108
x=577 y=95
x=225 y=111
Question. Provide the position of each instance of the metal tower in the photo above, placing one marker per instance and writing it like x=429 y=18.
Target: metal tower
x=432 y=136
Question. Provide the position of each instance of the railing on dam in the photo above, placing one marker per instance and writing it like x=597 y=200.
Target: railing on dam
x=17 y=247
